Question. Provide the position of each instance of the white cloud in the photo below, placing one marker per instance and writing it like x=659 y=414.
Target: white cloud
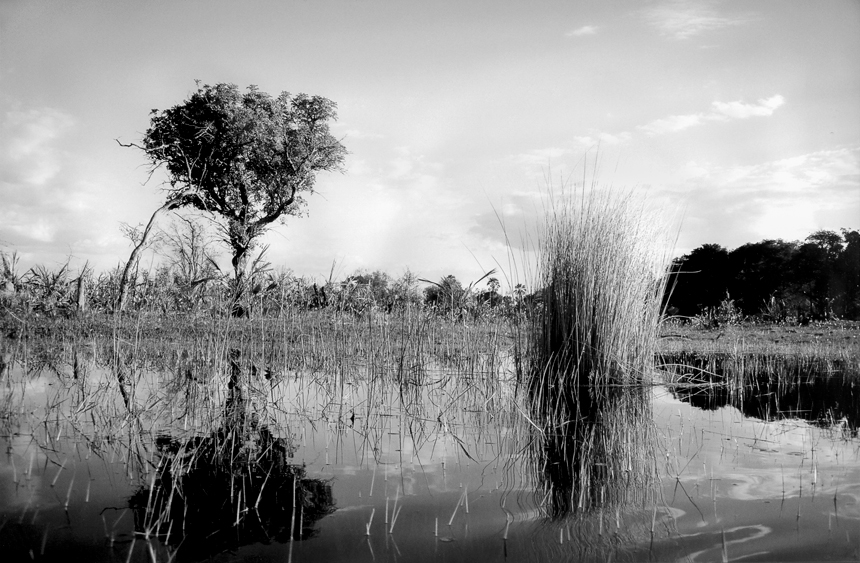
x=358 y=166
x=787 y=198
x=740 y=110
x=721 y=111
x=607 y=139
x=584 y=30
x=358 y=134
x=54 y=201
x=618 y=139
x=401 y=167
x=673 y=123
x=795 y=175
x=39 y=230
x=691 y=170
x=541 y=157
x=30 y=163
x=28 y=151
x=407 y=166
x=404 y=213
x=682 y=20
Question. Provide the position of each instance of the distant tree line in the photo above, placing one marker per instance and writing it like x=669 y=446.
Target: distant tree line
x=774 y=280
x=771 y=280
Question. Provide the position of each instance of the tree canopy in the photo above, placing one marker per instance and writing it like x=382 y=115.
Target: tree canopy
x=247 y=159
x=815 y=278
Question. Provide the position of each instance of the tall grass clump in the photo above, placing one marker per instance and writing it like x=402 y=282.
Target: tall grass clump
x=602 y=265
x=602 y=273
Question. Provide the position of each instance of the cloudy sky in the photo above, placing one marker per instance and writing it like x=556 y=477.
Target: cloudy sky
x=745 y=116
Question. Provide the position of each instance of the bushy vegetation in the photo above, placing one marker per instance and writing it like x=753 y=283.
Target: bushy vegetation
x=183 y=278
x=773 y=280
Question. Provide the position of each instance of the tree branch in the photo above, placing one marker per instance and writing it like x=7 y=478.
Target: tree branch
x=123 y=281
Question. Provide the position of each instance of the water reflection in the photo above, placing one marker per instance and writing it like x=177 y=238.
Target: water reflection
x=232 y=487
x=76 y=452
x=594 y=449
x=769 y=388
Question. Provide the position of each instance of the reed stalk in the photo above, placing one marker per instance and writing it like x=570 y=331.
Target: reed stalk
x=369 y=522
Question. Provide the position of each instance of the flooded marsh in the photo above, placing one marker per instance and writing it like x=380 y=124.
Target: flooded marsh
x=412 y=440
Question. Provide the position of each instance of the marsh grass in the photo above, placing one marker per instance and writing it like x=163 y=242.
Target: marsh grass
x=769 y=387
x=587 y=348
x=603 y=266
x=831 y=340
x=747 y=369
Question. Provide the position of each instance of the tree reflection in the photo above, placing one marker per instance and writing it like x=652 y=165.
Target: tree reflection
x=769 y=387
x=232 y=487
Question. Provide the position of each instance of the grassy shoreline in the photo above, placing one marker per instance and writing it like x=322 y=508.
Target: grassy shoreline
x=831 y=338
x=426 y=333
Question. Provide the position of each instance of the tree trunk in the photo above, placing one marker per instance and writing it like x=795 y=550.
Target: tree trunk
x=241 y=242
x=81 y=292
x=240 y=263
x=132 y=259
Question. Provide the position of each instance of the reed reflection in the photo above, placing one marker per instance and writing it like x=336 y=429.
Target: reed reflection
x=595 y=449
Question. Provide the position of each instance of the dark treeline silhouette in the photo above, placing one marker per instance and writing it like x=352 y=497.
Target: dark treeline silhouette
x=814 y=279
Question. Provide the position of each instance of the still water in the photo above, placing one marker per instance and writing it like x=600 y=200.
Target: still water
x=235 y=463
